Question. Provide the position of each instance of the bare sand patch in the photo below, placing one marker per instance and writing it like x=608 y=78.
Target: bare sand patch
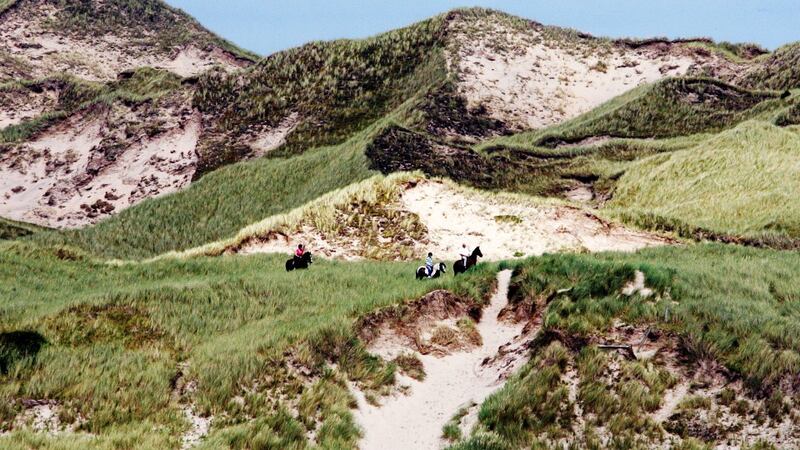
x=414 y=419
x=267 y=140
x=507 y=227
x=17 y=105
x=64 y=179
x=530 y=79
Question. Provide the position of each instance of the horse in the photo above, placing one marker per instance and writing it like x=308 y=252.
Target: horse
x=299 y=263
x=438 y=270
x=458 y=266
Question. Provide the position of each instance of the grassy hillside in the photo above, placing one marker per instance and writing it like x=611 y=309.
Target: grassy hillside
x=337 y=88
x=10 y=229
x=741 y=182
x=780 y=70
x=115 y=346
x=725 y=304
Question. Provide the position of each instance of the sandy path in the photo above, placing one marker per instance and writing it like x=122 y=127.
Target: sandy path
x=671 y=401
x=415 y=420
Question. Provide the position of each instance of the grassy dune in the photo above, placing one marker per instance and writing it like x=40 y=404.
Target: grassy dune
x=336 y=88
x=743 y=182
x=153 y=20
x=112 y=339
x=779 y=70
x=732 y=305
x=669 y=108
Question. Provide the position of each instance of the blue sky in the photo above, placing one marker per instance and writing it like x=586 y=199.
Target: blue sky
x=266 y=26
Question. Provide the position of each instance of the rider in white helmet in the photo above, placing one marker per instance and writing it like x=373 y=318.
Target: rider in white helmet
x=464 y=253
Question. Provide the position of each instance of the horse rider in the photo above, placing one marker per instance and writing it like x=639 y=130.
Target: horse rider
x=429 y=264
x=464 y=253
x=299 y=252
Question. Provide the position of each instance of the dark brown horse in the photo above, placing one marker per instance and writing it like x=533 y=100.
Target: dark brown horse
x=299 y=263
x=458 y=266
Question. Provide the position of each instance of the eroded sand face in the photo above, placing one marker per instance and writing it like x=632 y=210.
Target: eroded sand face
x=61 y=178
x=20 y=104
x=504 y=229
x=529 y=81
x=45 y=50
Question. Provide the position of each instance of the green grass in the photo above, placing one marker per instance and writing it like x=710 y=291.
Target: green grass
x=791 y=116
x=113 y=338
x=729 y=304
x=741 y=182
x=153 y=20
x=780 y=70
x=11 y=229
x=337 y=88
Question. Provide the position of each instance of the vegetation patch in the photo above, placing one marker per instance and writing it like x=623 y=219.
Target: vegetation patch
x=409 y=364
x=780 y=70
x=11 y=229
x=790 y=116
x=338 y=88
x=94 y=324
x=152 y=20
x=727 y=195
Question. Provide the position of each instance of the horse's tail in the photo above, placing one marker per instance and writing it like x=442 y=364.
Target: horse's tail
x=289 y=265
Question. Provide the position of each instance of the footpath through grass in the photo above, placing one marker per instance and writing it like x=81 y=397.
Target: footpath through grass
x=116 y=346
x=729 y=304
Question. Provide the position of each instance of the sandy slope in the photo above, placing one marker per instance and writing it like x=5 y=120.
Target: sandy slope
x=505 y=229
x=503 y=225
x=529 y=79
x=45 y=50
x=414 y=420
x=17 y=105
x=63 y=178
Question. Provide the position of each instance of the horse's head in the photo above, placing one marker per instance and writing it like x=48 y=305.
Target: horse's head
x=477 y=252
x=307 y=257
x=443 y=267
